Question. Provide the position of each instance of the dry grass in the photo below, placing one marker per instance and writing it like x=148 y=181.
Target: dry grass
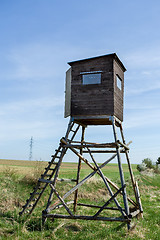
x=137 y=231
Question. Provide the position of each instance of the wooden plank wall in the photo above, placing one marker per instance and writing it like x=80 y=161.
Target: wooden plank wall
x=95 y=99
x=118 y=94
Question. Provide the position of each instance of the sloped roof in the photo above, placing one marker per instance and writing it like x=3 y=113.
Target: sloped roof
x=112 y=55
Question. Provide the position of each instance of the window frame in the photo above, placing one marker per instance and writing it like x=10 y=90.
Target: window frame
x=118 y=82
x=84 y=74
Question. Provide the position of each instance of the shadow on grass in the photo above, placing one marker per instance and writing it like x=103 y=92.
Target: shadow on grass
x=35 y=225
x=119 y=227
x=73 y=227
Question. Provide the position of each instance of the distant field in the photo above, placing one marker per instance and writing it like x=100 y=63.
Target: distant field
x=25 y=163
x=22 y=163
x=27 y=167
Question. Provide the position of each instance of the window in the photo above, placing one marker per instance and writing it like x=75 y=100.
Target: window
x=119 y=82
x=91 y=78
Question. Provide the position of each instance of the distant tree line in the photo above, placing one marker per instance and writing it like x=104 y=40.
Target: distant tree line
x=148 y=164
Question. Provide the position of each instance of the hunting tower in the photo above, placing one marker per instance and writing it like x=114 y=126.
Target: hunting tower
x=93 y=96
x=94 y=89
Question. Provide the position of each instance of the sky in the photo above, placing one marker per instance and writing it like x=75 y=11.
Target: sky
x=38 y=38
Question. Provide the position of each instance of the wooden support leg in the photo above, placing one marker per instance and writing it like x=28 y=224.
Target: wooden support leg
x=129 y=165
x=121 y=172
x=78 y=171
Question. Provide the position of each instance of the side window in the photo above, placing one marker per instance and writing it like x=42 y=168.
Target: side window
x=119 y=82
x=91 y=78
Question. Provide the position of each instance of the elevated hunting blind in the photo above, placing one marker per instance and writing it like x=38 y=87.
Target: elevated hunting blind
x=94 y=96
x=94 y=89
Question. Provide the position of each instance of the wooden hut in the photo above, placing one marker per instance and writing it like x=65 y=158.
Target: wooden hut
x=95 y=89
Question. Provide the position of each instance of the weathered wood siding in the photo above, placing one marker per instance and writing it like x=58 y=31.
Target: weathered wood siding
x=97 y=99
x=92 y=99
x=68 y=93
x=118 y=94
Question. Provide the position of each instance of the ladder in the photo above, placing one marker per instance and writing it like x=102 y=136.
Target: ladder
x=51 y=170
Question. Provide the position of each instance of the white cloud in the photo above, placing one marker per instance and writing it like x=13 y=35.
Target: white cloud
x=143 y=73
x=21 y=106
x=144 y=58
x=39 y=61
x=142 y=118
x=39 y=117
x=34 y=61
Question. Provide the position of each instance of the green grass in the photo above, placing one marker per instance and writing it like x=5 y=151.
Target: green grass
x=19 y=177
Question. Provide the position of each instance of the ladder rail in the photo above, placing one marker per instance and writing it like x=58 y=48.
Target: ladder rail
x=39 y=183
x=70 y=127
x=54 y=171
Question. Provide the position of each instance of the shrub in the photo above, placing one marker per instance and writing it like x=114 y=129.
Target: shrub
x=148 y=162
x=158 y=161
x=141 y=167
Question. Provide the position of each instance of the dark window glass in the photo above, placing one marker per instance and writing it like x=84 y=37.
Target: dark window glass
x=92 y=78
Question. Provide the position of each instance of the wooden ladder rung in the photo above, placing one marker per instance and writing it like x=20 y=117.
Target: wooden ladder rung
x=52 y=162
x=54 y=156
x=37 y=193
x=45 y=180
x=27 y=211
x=51 y=169
x=73 y=130
x=30 y=205
x=47 y=175
x=34 y=199
x=66 y=180
x=58 y=151
x=36 y=188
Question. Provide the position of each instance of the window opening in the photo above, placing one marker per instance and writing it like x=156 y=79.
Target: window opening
x=119 y=82
x=91 y=78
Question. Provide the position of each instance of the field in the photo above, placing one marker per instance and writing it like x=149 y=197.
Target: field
x=19 y=177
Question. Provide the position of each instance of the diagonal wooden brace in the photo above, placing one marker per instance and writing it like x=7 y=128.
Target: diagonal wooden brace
x=93 y=168
x=106 y=204
x=77 y=186
x=61 y=199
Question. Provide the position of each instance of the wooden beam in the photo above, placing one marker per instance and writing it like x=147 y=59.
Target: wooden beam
x=87 y=218
x=62 y=200
x=96 y=206
x=66 y=180
x=103 y=151
x=122 y=144
x=112 y=198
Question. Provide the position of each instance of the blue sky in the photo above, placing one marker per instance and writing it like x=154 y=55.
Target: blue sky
x=37 y=40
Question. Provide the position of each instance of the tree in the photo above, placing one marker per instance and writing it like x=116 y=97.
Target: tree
x=141 y=167
x=158 y=161
x=148 y=162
